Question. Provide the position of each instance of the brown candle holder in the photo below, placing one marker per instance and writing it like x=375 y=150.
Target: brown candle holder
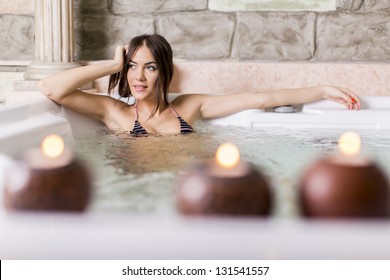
x=200 y=192
x=329 y=190
x=65 y=188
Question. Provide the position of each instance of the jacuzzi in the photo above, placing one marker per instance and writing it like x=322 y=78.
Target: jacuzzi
x=127 y=236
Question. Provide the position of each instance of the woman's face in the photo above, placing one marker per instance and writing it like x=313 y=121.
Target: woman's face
x=142 y=74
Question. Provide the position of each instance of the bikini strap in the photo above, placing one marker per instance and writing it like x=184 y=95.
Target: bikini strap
x=173 y=111
x=136 y=111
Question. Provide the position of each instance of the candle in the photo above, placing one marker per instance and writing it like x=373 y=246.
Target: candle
x=226 y=185
x=47 y=178
x=345 y=185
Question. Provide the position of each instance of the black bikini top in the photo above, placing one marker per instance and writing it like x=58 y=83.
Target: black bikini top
x=138 y=130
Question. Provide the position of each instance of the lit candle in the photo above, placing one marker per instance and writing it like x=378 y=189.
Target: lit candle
x=226 y=185
x=52 y=154
x=345 y=185
x=48 y=178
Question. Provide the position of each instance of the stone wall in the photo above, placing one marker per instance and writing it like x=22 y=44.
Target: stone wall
x=345 y=30
x=16 y=30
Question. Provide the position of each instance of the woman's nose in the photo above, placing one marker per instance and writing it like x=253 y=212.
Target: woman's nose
x=140 y=76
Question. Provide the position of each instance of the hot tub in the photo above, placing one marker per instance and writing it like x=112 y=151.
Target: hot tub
x=99 y=235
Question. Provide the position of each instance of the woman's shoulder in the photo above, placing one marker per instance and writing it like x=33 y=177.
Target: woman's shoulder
x=188 y=106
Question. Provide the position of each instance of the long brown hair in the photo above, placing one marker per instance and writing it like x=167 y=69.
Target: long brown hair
x=162 y=53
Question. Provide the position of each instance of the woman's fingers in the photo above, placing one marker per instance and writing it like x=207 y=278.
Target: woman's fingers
x=119 y=51
x=345 y=97
x=352 y=101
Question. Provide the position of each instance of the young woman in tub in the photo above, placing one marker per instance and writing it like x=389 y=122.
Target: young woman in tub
x=144 y=71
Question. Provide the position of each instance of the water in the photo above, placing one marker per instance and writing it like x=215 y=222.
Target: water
x=138 y=175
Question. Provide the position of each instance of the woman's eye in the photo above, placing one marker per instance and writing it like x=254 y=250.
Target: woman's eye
x=132 y=66
x=151 y=68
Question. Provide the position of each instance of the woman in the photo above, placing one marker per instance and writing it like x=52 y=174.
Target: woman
x=144 y=72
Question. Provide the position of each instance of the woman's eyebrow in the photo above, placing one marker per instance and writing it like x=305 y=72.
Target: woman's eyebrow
x=147 y=63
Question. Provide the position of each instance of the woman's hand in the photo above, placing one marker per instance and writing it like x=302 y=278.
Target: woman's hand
x=343 y=96
x=119 y=57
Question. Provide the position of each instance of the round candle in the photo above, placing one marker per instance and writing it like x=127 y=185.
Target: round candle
x=226 y=185
x=48 y=178
x=345 y=185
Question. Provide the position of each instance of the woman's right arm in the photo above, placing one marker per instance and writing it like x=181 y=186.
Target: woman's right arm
x=63 y=87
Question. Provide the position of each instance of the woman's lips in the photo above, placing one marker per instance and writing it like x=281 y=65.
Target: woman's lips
x=140 y=87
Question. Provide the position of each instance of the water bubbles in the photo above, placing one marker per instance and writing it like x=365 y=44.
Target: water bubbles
x=136 y=175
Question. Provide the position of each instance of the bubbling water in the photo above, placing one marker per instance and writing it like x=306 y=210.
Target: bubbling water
x=138 y=175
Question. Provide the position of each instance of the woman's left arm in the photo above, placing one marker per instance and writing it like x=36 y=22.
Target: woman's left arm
x=214 y=106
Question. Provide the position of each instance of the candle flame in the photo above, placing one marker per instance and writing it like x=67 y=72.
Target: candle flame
x=53 y=146
x=349 y=143
x=227 y=155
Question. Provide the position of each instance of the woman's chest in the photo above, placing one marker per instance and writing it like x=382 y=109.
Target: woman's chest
x=128 y=120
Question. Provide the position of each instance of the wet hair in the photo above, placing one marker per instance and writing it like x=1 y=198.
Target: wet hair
x=162 y=53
